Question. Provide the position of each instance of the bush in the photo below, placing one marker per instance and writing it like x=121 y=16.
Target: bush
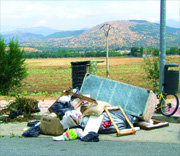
x=12 y=67
x=151 y=68
x=24 y=105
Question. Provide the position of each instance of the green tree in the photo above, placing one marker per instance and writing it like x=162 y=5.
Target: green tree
x=156 y=52
x=149 y=50
x=141 y=51
x=134 y=51
x=12 y=67
x=174 y=50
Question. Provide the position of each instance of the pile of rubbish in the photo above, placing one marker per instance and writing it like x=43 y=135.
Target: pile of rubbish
x=102 y=106
x=75 y=116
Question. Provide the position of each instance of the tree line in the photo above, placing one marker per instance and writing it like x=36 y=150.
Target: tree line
x=139 y=52
x=63 y=52
x=70 y=53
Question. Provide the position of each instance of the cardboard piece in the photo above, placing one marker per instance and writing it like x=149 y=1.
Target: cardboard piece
x=93 y=124
x=152 y=125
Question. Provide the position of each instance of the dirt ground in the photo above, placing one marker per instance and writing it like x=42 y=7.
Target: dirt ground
x=67 y=61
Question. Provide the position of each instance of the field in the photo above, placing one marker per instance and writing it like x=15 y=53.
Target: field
x=47 y=78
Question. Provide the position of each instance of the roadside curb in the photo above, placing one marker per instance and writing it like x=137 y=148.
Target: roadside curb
x=172 y=119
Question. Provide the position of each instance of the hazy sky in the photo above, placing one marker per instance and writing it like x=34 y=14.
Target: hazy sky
x=73 y=14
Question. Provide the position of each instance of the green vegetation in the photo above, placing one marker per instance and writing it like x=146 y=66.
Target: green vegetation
x=62 y=53
x=138 y=52
x=151 y=68
x=173 y=51
x=69 y=52
x=12 y=66
x=25 y=105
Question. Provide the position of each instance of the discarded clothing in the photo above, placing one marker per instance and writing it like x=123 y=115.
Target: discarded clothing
x=64 y=99
x=61 y=108
x=32 y=132
x=91 y=137
x=37 y=109
x=14 y=114
x=33 y=123
x=34 y=129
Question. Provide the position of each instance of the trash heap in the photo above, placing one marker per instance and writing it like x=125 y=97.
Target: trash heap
x=74 y=116
x=102 y=106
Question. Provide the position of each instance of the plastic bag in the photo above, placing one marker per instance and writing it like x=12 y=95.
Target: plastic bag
x=119 y=119
x=70 y=119
x=70 y=134
x=61 y=108
x=106 y=125
x=32 y=132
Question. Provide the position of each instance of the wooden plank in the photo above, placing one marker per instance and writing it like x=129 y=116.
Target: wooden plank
x=154 y=125
x=93 y=124
x=81 y=97
x=124 y=114
x=110 y=117
x=78 y=104
x=120 y=132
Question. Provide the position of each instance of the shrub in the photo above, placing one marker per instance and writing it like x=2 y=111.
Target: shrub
x=25 y=105
x=12 y=67
x=151 y=68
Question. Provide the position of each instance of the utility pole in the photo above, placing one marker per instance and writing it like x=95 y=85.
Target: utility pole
x=106 y=28
x=162 y=43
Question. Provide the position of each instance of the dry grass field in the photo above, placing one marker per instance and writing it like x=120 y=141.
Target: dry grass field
x=47 y=78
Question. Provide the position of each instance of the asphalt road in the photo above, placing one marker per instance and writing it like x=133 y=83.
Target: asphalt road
x=46 y=146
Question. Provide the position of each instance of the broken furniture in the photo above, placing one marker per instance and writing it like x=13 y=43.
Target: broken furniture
x=153 y=124
x=120 y=132
x=81 y=97
x=136 y=101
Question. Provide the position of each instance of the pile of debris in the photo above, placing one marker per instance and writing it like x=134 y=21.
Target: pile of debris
x=74 y=115
x=102 y=106
x=78 y=116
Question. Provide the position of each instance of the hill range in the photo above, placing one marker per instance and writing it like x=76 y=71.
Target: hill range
x=124 y=34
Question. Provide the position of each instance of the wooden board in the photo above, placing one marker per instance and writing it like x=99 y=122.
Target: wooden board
x=93 y=124
x=153 y=125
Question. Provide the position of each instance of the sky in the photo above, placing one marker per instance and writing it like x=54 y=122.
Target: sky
x=75 y=15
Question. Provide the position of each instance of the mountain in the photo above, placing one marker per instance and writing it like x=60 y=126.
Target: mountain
x=22 y=37
x=173 y=23
x=34 y=30
x=125 y=34
x=63 y=34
